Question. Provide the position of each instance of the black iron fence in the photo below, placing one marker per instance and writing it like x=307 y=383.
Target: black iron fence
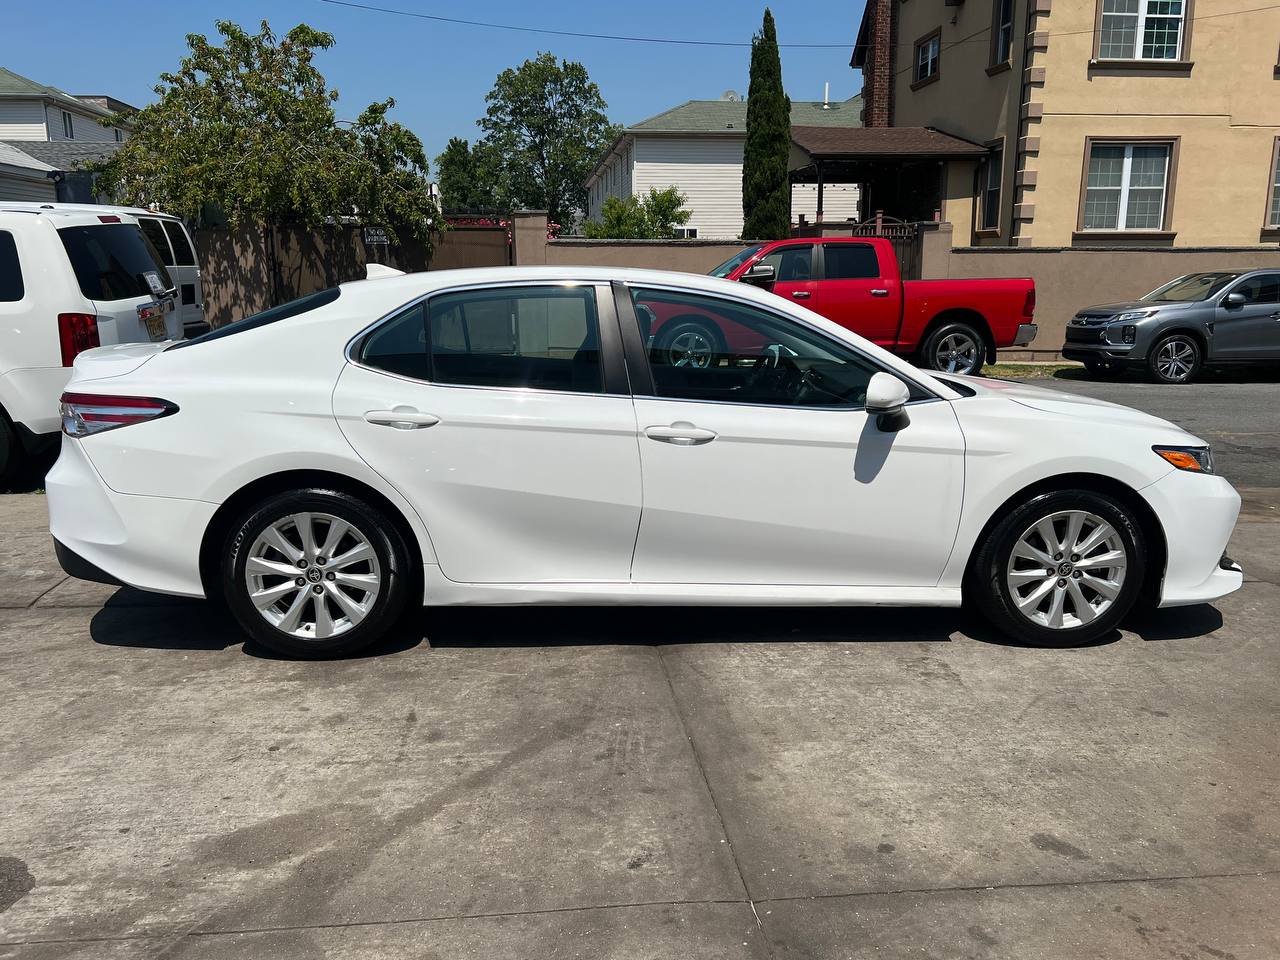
x=903 y=235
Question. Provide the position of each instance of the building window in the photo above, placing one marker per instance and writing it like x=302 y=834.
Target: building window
x=68 y=130
x=1142 y=29
x=119 y=134
x=989 y=182
x=928 y=58
x=1273 y=208
x=685 y=233
x=1127 y=186
x=1001 y=32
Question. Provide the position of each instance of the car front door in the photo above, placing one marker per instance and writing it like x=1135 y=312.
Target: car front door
x=766 y=469
x=857 y=292
x=795 y=272
x=502 y=414
x=1251 y=330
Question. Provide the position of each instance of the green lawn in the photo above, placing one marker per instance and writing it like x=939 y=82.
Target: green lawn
x=1026 y=371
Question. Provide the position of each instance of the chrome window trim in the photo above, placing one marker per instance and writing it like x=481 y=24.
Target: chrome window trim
x=595 y=286
x=872 y=361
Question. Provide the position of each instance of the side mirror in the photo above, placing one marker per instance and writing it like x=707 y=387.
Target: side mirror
x=760 y=274
x=1235 y=300
x=887 y=398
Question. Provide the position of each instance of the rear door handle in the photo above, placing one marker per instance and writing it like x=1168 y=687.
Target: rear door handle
x=402 y=418
x=880 y=292
x=800 y=294
x=681 y=433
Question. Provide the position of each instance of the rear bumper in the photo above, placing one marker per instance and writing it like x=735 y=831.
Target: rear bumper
x=1198 y=514
x=151 y=543
x=1026 y=333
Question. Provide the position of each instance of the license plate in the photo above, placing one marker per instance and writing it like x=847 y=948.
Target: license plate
x=156 y=328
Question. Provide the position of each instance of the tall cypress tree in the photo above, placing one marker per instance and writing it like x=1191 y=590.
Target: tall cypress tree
x=766 y=189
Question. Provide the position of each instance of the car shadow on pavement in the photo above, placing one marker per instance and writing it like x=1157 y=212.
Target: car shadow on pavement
x=1242 y=373
x=1177 y=623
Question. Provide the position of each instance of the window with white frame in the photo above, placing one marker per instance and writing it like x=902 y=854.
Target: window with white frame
x=1274 y=209
x=1126 y=187
x=1002 y=32
x=928 y=53
x=685 y=233
x=1142 y=29
x=992 y=170
x=68 y=130
x=119 y=134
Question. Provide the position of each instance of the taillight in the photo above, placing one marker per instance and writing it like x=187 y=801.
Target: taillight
x=110 y=218
x=84 y=414
x=77 y=332
x=1029 y=305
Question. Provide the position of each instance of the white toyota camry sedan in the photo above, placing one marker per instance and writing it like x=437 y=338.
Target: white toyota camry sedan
x=514 y=436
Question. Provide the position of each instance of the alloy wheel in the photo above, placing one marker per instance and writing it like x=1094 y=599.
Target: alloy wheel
x=690 y=348
x=313 y=575
x=1066 y=569
x=957 y=352
x=1175 y=359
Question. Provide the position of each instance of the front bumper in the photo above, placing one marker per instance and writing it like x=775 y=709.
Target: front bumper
x=151 y=543
x=1198 y=514
x=1026 y=333
x=1112 y=352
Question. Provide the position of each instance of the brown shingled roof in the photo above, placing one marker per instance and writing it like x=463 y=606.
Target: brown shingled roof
x=873 y=142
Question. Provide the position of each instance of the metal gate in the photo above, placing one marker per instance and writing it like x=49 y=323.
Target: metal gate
x=904 y=236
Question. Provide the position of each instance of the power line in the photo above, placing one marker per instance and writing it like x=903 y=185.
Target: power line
x=571 y=33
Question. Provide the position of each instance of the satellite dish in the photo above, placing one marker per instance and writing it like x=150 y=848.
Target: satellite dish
x=732 y=96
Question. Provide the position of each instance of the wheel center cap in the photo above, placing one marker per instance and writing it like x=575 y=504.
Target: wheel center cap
x=314 y=575
x=1065 y=568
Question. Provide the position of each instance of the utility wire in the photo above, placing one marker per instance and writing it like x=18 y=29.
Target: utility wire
x=570 y=33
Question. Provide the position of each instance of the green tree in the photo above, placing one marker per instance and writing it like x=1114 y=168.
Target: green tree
x=766 y=190
x=544 y=129
x=653 y=217
x=464 y=178
x=249 y=127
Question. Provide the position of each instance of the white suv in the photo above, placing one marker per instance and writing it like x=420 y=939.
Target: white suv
x=69 y=280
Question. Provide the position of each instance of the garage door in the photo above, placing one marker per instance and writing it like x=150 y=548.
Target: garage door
x=20 y=188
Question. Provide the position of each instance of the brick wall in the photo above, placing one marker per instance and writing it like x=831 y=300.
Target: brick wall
x=877 y=74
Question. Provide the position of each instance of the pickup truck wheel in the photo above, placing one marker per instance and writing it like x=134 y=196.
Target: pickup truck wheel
x=1174 y=359
x=688 y=341
x=954 y=348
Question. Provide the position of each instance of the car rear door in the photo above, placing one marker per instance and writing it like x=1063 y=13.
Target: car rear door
x=122 y=274
x=186 y=274
x=858 y=292
x=1250 y=331
x=502 y=413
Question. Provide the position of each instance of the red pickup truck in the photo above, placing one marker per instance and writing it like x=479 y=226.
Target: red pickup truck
x=952 y=325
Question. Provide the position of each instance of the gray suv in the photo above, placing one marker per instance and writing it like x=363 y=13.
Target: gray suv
x=1225 y=316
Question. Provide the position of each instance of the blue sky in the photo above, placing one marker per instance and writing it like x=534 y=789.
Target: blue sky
x=439 y=73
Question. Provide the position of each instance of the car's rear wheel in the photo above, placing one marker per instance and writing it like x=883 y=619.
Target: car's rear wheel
x=688 y=341
x=955 y=348
x=1175 y=359
x=315 y=573
x=1061 y=569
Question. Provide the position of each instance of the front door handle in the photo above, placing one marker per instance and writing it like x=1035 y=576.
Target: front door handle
x=681 y=433
x=402 y=418
x=800 y=294
x=880 y=292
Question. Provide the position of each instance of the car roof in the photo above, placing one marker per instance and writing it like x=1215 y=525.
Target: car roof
x=93 y=208
x=16 y=215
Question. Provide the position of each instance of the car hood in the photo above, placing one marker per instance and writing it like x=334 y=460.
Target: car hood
x=1062 y=403
x=1130 y=306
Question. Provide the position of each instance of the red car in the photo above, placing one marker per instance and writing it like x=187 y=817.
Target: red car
x=951 y=325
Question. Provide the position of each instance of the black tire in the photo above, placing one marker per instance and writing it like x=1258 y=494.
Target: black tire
x=392 y=568
x=955 y=334
x=685 y=326
x=989 y=581
x=1175 y=358
x=1104 y=369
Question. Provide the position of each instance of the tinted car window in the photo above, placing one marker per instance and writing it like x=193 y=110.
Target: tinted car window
x=791 y=264
x=273 y=315
x=849 y=261
x=399 y=346
x=706 y=348
x=155 y=233
x=545 y=338
x=183 y=255
x=1264 y=288
x=111 y=261
x=11 y=288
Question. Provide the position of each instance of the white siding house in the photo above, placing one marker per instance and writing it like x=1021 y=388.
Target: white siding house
x=23 y=177
x=697 y=148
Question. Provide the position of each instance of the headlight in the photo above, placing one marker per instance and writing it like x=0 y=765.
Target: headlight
x=1136 y=315
x=1194 y=459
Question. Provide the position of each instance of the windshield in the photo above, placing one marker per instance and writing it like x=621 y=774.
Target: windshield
x=114 y=261
x=1194 y=286
x=734 y=262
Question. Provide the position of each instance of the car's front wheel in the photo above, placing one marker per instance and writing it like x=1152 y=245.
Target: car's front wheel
x=315 y=573
x=1175 y=359
x=1061 y=569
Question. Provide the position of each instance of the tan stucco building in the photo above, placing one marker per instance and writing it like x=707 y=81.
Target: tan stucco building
x=1149 y=123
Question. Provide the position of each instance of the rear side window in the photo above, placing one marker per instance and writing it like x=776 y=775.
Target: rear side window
x=183 y=255
x=849 y=261
x=155 y=233
x=11 y=288
x=111 y=261
x=293 y=308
